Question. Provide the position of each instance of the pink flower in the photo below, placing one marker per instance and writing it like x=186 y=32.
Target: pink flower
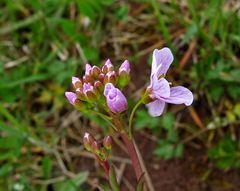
x=159 y=88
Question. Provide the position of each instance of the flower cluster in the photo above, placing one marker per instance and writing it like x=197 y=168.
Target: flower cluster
x=100 y=148
x=98 y=82
x=97 y=87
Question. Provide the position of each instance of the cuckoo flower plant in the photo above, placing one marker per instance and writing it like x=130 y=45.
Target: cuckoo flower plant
x=99 y=92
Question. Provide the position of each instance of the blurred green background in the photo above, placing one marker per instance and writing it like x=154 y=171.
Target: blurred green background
x=44 y=43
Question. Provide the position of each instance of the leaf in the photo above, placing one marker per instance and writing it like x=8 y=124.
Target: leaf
x=191 y=32
x=143 y=120
x=113 y=180
x=24 y=80
x=11 y=131
x=86 y=9
x=225 y=163
x=230 y=116
x=216 y=92
x=237 y=109
x=224 y=154
x=122 y=13
x=72 y=184
x=179 y=150
x=10 y=142
x=47 y=167
x=5 y=169
x=168 y=121
x=164 y=150
x=140 y=183
x=233 y=90
x=172 y=136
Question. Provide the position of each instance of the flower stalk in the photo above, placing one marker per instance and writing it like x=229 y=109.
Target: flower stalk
x=133 y=155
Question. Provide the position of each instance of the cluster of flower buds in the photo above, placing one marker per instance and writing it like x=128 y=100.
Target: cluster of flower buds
x=91 y=89
x=100 y=149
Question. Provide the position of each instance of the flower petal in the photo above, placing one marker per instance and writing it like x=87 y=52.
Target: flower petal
x=162 y=59
x=88 y=67
x=156 y=108
x=107 y=88
x=125 y=67
x=71 y=97
x=160 y=88
x=179 y=95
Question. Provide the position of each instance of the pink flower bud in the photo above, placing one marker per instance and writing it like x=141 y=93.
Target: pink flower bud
x=110 y=77
x=101 y=77
x=71 y=97
x=95 y=71
x=88 y=68
x=124 y=68
x=76 y=82
x=96 y=147
x=107 y=142
x=107 y=67
x=98 y=85
x=80 y=94
x=87 y=79
x=88 y=140
x=89 y=92
x=116 y=101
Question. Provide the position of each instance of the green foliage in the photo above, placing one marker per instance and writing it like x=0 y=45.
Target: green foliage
x=226 y=153
x=72 y=184
x=113 y=179
x=144 y=120
x=167 y=147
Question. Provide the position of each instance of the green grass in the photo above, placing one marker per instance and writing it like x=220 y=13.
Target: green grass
x=43 y=44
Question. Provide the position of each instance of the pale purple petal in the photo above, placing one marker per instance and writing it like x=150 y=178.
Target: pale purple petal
x=108 y=86
x=87 y=87
x=179 y=95
x=108 y=63
x=75 y=79
x=71 y=97
x=162 y=60
x=88 y=67
x=125 y=67
x=156 y=108
x=160 y=88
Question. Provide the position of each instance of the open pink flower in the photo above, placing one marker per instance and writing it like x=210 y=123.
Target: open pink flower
x=159 y=88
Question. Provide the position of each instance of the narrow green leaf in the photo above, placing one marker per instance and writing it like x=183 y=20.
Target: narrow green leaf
x=113 y=179
x=72 y=184
x=5 y=169
x=140 y=183
x=47 y=167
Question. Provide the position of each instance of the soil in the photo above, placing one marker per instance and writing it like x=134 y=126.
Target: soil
x=190 y=173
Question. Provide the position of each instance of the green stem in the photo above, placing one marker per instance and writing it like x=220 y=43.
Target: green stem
x=132 y=115
x=105 y=117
